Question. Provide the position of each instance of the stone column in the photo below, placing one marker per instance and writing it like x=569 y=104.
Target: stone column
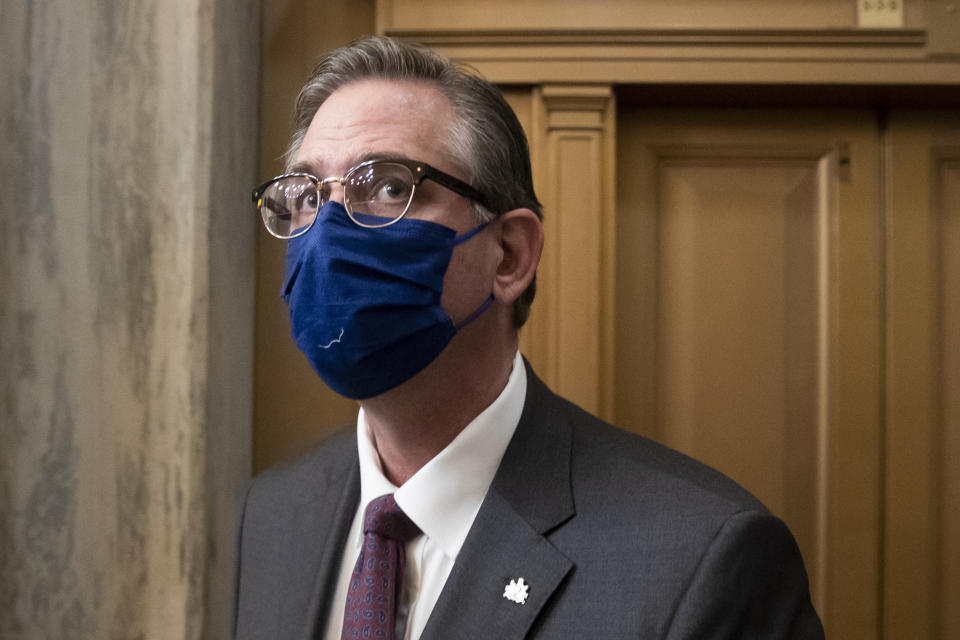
x=126 y=281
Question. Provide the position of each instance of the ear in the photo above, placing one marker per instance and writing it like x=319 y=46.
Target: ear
x=521 y=239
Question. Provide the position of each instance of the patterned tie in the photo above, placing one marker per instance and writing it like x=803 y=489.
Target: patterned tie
x=374 y=592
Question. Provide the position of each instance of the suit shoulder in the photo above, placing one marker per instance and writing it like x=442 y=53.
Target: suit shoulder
x=641 y=466
x=329 y=462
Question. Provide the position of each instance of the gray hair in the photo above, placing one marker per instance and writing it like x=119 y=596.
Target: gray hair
x=486 y=138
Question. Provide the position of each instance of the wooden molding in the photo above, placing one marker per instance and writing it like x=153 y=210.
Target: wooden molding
x=571 y=327
x=614 y=39
x=742 y=41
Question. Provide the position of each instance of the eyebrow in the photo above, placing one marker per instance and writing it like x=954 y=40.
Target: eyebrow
x=305 y=166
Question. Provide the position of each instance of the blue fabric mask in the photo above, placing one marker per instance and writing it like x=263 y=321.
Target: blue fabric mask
x=365 y=303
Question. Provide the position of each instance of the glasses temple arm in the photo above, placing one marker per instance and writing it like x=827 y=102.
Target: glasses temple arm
x=456 y=185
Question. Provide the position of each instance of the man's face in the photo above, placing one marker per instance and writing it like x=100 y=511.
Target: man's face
x=378 y=117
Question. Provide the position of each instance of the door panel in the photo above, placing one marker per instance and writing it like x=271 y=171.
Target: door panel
x=922 y=482
x=737 y=351
x=748 y=319
x=947 y=211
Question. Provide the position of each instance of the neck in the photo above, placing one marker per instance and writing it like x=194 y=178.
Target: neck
x=414 y=422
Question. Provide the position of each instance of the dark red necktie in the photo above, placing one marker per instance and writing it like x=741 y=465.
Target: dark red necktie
x=377 y=578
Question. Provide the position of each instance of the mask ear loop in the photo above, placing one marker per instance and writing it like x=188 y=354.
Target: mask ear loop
x=486 y=303
x=476 y=314
x=470 y=234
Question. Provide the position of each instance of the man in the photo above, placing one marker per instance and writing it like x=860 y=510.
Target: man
x=414 y=237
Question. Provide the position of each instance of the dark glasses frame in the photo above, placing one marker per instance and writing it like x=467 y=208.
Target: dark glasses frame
x=420 y=171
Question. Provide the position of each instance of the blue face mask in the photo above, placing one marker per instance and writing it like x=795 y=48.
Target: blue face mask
x=365 y=303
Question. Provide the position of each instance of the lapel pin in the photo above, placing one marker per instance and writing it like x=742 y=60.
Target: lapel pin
x=516 y=591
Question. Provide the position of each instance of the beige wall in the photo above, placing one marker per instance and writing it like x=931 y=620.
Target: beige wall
x=126 y=280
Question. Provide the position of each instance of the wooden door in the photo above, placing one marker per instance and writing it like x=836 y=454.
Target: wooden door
x=921 y=524
x=749 y=321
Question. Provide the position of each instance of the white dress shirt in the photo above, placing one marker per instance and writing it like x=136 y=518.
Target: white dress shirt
x=442 y=498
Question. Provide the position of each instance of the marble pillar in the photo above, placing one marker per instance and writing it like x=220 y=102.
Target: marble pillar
x=126 y=284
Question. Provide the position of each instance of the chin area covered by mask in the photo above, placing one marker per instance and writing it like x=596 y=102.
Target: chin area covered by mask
x=365 y=303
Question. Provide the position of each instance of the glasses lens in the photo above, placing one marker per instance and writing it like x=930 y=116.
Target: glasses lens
x=289 y=205
x=378 y=194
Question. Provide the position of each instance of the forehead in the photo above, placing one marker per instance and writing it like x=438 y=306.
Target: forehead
x=378 y=117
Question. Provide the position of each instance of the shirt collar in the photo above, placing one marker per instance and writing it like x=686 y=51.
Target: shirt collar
x=444 y=496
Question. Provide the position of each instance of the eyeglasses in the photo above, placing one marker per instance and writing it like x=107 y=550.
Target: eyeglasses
x=376 y=194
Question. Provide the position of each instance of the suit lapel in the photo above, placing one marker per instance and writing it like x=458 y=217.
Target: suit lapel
x=529 y=496
x=317 y=536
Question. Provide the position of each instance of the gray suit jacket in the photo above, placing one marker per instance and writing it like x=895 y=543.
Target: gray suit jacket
x=616 y=536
